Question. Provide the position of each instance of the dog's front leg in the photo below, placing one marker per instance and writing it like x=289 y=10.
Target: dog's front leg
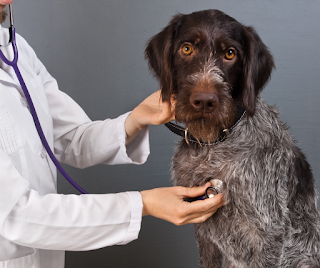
x=244 y=242
x=210 y=255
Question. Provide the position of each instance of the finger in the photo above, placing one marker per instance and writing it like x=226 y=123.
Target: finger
x=194 y=191
x=201 y=216
x=203 y=206
x=166 y=109
x=173 y=100
x=167 y=114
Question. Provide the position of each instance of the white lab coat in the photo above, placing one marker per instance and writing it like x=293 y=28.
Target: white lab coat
x=36 y=224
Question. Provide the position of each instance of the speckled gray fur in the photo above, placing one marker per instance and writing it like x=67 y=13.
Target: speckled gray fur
x=270 y=219
x=214 y=65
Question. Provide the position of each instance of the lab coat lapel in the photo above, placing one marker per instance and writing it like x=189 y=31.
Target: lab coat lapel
x=6 y=72
x=6 y=78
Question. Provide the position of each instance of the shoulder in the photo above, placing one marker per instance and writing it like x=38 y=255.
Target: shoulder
x=28 y=56
x=24 y=47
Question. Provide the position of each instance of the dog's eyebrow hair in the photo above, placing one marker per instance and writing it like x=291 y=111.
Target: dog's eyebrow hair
x=193 y=37
x=177 y=28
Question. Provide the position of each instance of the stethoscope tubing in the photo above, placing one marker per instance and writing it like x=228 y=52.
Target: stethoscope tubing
x=14 y=65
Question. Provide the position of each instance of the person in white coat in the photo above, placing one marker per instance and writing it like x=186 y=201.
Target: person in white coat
x=36 y=224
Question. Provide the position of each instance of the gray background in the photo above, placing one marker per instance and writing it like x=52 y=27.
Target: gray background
x=95 y=50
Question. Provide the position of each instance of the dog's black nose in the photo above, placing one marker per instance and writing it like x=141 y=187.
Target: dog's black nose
x=204 y=101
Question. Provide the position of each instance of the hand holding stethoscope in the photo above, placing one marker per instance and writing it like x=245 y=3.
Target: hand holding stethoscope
x=211 y=191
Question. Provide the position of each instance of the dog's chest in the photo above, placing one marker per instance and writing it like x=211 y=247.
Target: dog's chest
x=195 y=165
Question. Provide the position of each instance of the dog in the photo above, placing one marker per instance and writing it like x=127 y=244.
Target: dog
x=216 y=68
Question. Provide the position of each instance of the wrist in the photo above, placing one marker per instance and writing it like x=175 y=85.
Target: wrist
x=144 y=195
x=134 y=120
x=132 y=127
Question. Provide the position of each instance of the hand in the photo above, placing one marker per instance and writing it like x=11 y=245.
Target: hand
x=152 y=111
x=168 y=204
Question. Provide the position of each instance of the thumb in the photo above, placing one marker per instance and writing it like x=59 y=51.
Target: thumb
x=167 y=114
x=196 y=191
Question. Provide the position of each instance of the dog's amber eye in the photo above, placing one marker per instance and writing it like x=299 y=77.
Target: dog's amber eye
x=187 y=49
x=230 y=54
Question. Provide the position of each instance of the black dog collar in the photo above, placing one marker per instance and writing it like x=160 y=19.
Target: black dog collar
x=182 y=132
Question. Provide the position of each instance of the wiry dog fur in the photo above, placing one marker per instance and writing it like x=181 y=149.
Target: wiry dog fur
x=271 y=219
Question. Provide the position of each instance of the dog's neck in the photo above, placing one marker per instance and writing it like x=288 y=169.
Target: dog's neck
x=223 y=134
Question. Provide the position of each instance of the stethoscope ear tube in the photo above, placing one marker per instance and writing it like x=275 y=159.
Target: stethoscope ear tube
x=11 y=16
x=14 y=65
x=10 y=28
x=10 y=34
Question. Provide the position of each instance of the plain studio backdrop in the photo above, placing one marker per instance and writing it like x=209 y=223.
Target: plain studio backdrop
x=95 y=49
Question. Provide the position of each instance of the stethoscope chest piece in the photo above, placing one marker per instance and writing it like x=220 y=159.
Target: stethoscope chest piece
x=211 y=191
x=215 y=189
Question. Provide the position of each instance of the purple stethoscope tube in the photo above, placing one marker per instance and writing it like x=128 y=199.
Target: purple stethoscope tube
x=14 y=65
x=211 y=191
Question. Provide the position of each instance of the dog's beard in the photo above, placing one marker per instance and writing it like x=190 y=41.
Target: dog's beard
x=201 y=125
x=206 y=126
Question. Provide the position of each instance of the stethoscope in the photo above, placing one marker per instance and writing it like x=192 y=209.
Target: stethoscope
x=210 y=191
x=14 y=65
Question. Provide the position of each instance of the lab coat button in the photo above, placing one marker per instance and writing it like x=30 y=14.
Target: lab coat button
x=43 y=153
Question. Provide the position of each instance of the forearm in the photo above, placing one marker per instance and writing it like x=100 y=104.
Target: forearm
x=102 y=142
x=71 y=222
x=63 y=222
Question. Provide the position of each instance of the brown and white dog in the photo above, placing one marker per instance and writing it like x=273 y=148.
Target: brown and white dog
x=216 y=68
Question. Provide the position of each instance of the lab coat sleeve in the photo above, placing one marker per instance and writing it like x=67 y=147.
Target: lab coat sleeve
x=64 y=222
x=80 y=142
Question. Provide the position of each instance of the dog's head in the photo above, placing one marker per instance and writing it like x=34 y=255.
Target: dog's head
x=211 y=63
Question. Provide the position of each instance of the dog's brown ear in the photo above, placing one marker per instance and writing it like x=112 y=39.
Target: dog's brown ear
x=159 y=53
x=258 y=65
